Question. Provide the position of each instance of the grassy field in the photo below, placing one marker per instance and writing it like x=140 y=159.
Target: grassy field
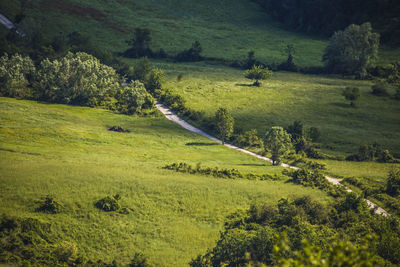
x=226 y=29
x=314 y=100
x=67 y=152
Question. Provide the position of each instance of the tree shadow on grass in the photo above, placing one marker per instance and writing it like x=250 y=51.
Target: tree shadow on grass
x=201 y=144
x=244 y=84
x=250 y=164
x=342 y=105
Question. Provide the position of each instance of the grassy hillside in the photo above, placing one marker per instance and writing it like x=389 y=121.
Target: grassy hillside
x=314 y=100
x=68 y=152
x=226 y=29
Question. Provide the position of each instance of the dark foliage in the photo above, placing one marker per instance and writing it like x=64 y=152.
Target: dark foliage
x=108 y=204
x=140 y=44
x=372 y=152
x=393 y=182
x=49 y=205
x=254 y=237
x=324 y=16
x=379 y=89
x=118 y=129
x=190 y=55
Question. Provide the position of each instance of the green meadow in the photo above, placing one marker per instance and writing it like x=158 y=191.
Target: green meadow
x=314 y=100
x=68 y=153
x=226 y=29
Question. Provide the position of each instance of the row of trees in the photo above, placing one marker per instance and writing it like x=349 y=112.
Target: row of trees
x=78 y=79
x=327 y=16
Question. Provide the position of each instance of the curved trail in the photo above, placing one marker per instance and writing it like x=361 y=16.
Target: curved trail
x=170 y=115
x=173 y=117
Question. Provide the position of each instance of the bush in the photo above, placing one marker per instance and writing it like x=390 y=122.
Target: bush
x=139 y=260
x=16 y=75
x=108 y=204
x=314 y=134
x=379 y=89
x=190 y=55
x=49 y=205
x=393 y=182
x=131 y=98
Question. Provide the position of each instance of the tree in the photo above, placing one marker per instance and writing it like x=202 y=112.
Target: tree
x=224 y=121
x=351 y=94
x=16 y=72
x=192 y=54
x=278 y=142
x=140 y=70
x=140 y=44
x=352 y=51
x=289 y=65
x=131 y=98
x=258 y=73
x=78 y=79
x=154 y=80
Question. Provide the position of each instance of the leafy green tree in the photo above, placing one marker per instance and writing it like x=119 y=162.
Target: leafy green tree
x=278 y=142
x=351 y=94
x=224 y=122
x=258 y=73
x=140 y=70
x=76 y=79
x=154 y=79
x=352 y=51
x=16 y=72
x=140 y=44
x=131 y=98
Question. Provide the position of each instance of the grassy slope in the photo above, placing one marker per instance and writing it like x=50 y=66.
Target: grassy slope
x=226 y=29
x=67 y=152
x=315 y=100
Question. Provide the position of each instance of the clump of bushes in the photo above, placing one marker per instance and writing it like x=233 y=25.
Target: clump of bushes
x=49 y=205
x=108 y=203
x=372 y=152
x=190 y=55
x=216 y=172
x=249 y=139
x=77 y=79
x=379 y=89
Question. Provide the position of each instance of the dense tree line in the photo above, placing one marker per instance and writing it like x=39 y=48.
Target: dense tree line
x=78 y=79
x=327 y=16
x=304 y=231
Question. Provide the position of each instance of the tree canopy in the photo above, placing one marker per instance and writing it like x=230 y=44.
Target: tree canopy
x=258 y=73
x=352 y=51
x=278 y=142
x=224 y=122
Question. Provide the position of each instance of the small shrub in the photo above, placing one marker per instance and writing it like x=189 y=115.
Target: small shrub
x=118 y=129
x=108 y=204
x=393 y=182
x=379 y=89
x=49 y=205
x=139 y=260
x=351 y=94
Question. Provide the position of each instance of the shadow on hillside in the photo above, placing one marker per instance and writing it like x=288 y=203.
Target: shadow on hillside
x=342 y=105
x=244 y=84
x=201 y=144
x=252 y=164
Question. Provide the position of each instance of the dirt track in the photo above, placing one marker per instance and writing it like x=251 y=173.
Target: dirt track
x=170 y=115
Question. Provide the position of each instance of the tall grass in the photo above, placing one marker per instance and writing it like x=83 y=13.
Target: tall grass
x=67 y=152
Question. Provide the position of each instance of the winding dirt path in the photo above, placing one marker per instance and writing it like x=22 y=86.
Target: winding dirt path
x=170 y=115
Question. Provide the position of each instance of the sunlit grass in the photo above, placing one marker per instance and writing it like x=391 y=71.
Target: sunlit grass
x=68 y=153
